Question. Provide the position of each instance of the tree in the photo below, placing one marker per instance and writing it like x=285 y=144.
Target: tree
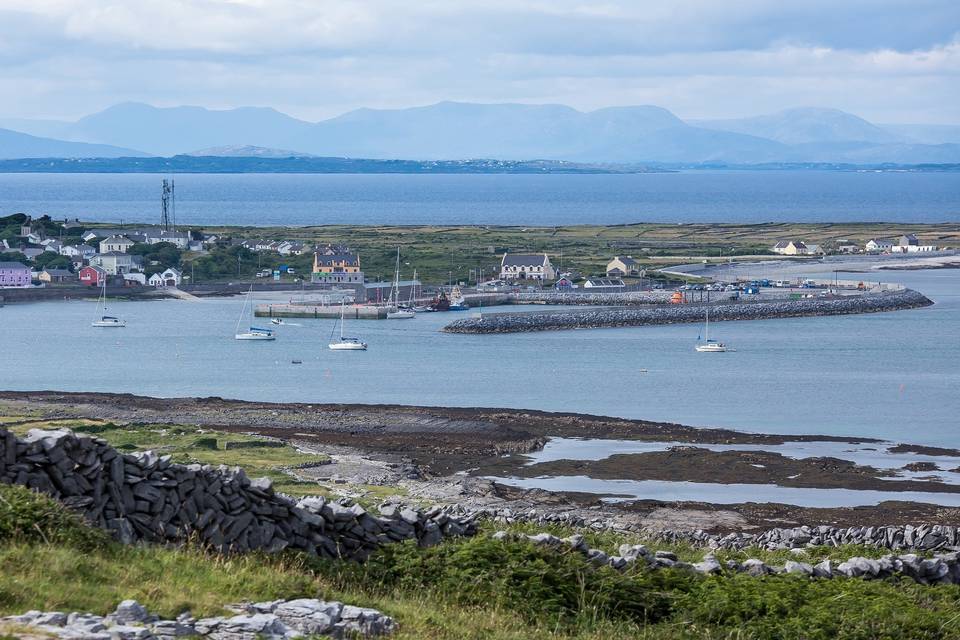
x=165 y=254
x=51 y=260
x=13 y=256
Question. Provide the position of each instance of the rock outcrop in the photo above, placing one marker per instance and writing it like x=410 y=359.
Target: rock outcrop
x=943 y=568
x=143 y=496
x=277 y=620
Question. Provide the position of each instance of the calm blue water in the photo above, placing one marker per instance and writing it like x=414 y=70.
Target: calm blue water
x=891 y=375
x=693 y=196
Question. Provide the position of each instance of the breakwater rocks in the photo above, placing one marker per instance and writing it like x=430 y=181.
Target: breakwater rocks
x=677 y=313
x=277 y=620
x=941 y=569
x=143 y=496
x=587 y=298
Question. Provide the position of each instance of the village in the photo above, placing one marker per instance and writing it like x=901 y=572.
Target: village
x=39 y=253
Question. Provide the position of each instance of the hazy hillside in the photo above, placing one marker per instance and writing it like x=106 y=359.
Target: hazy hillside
x=453 y=131
x=14 y=144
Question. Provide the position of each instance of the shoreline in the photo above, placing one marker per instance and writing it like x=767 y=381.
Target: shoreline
x=451 y=450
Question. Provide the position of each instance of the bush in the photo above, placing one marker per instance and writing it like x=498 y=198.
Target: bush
x=30 y=517
x=544 y=586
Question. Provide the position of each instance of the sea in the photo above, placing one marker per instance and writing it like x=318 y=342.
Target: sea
x=888 y=375
x=733 y=196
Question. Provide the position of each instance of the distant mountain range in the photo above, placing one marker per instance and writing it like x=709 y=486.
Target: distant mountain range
x=452 y=131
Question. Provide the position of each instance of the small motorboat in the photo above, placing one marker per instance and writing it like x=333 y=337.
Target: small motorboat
x=276 y=320
x=296 y=362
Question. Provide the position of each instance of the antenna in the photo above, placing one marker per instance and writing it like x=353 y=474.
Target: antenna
x=166 y=196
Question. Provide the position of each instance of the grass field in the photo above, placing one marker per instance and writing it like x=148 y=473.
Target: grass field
x=464 y=588
x=442 y=252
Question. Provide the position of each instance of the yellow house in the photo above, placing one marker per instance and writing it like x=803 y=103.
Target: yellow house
x=623 y=266
x=337 y=265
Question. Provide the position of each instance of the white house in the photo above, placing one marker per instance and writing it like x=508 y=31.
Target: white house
x=83 y=251
x=815 y=250
x=169 y=278
x=605 y=284
x=139 y=278
x=119 y=244
x=178 y=239
x=535 y=266
x=117 y=263
x=911 y=244
x=877 y=245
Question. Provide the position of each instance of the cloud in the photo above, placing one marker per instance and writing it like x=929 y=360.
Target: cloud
x=315 y=58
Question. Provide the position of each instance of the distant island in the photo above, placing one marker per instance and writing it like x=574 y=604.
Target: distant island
x=299 y=164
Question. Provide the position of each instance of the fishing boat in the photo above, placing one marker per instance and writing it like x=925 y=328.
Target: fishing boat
x=105 y=320
x=253 y=333
x=708 y=345
x=440 y=302
x=457 y=301
x=395 y=311
x=276 y=321
x=345 y=343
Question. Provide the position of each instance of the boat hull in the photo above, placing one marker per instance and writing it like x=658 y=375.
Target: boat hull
x=106 y=324
x=347 y=346
x=254 y=336
x=400 y=315
x=711 y=348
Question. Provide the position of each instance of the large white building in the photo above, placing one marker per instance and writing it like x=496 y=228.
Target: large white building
x=527 y=266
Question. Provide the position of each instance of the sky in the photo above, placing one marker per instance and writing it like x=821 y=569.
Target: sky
x=887 y=61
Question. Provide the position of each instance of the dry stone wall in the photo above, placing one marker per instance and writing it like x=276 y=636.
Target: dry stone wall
x=143 y=496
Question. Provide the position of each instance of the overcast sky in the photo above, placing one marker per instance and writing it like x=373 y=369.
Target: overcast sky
x=888 y=61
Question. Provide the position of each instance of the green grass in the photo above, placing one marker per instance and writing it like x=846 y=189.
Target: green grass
x=194 y=445
x=463 y=588
x=438 y=252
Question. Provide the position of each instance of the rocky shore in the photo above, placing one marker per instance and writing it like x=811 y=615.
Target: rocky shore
x=433 y=455
x=594 y=318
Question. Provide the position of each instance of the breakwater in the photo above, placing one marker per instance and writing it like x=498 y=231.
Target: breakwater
x=684 y=313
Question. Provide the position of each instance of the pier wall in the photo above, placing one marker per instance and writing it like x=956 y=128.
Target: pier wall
x=670 y=314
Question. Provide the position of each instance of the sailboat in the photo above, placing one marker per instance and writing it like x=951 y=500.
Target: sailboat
x=253 y=333
x=395 y=311
x=345 y=343
x=708 y=345
x=104 y=320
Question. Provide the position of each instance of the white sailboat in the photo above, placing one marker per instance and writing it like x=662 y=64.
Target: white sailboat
x=253 y=333
x=395 y=311
x=102 y=319
x=708 y=345
x=345 y=343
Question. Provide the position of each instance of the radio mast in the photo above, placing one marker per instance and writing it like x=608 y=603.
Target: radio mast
x=168 y=206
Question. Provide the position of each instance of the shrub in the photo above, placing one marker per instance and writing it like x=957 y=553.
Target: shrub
x=27 y=516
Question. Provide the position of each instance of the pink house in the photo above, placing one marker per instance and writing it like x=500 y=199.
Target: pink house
x=14 y=274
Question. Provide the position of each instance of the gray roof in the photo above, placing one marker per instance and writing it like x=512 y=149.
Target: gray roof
x=13 y=265
x=58 y=272
x=349 y=258
x=523 y=260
